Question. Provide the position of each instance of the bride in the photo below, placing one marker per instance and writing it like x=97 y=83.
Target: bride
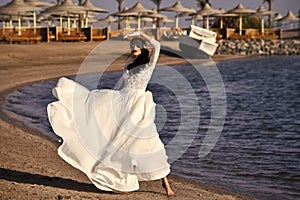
x=110 y=135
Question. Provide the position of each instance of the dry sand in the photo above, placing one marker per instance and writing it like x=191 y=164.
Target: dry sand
x=30 y=167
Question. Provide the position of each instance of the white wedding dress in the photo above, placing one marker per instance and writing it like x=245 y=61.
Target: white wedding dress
x=110 y=135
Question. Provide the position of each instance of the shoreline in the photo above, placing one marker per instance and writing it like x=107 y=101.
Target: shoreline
x=30 y=165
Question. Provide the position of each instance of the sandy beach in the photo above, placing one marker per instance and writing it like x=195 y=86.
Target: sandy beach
x=30 y=166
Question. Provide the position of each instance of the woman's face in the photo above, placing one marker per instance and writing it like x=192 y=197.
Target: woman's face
x=136 y=47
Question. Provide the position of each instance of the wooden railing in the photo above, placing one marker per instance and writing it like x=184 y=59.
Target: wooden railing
x=254 y=34
x=290 y=33
x=73 y=36
x=24 y=36
x=99 y=34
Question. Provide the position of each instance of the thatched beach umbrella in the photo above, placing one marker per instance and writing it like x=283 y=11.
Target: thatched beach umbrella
x=109 y=19
x=177 y=8
x=277 y=16
x=239 y=9
x=289 y=17
x=134 y=20
x=15 y=18
x=90 y=7
x=128 y=21
x=124 y=17
x=155 y=15
x=50 y=19
x=207 y=10
x=166 y=20
x=60 y=18
x=222 y=14
x=194 y=18
x=261 y=12
x=137 y=10
x=38 y=3
x=18 y=8
x=185 y=14
x=67 y=7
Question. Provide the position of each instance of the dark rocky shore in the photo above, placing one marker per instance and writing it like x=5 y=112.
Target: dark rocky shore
x=258 y=47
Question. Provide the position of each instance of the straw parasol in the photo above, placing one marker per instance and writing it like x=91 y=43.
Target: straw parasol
x=184 y=14
x=18 y=7
x=67 y=7
x=222 y=14
x=134 y=20
x=125 y=17
x=277 y=16
x=127 y=20
x=15 y=18
x=289 y=17
x=38 y=3
x=195 y=18
x=177 y=8
x=261 y=12
x=90 y=7
x=239 y=9
x=207 y=10
x=52 y=18
x=109 y=19
x=155 y=15
x=136 y=11
x=165 y=20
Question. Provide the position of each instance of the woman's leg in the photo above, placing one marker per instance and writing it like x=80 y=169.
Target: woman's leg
x=166 y=185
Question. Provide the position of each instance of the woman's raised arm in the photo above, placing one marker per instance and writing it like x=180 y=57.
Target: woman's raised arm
x=155 y=49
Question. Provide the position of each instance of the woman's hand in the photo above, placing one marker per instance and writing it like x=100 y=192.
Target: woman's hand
x=134 y=34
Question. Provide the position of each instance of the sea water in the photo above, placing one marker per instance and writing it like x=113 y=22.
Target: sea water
x=258 y=151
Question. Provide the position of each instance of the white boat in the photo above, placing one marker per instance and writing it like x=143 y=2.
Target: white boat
x=199 y=40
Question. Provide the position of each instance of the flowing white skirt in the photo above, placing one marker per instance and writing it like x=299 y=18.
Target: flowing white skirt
x=110 y=135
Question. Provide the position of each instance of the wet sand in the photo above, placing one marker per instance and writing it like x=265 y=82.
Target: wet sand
x=30 y=167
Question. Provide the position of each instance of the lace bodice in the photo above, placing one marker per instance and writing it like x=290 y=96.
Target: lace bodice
x=140 y=80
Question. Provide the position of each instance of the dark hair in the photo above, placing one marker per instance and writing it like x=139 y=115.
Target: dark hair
x=141 y=60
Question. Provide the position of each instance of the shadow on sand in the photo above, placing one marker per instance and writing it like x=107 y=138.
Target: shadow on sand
x=25 y=177
x=188 y=54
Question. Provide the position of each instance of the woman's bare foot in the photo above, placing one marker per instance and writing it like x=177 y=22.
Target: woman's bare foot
x=166 y=186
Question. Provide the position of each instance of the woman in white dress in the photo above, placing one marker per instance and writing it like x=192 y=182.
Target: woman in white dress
x=110 y=135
